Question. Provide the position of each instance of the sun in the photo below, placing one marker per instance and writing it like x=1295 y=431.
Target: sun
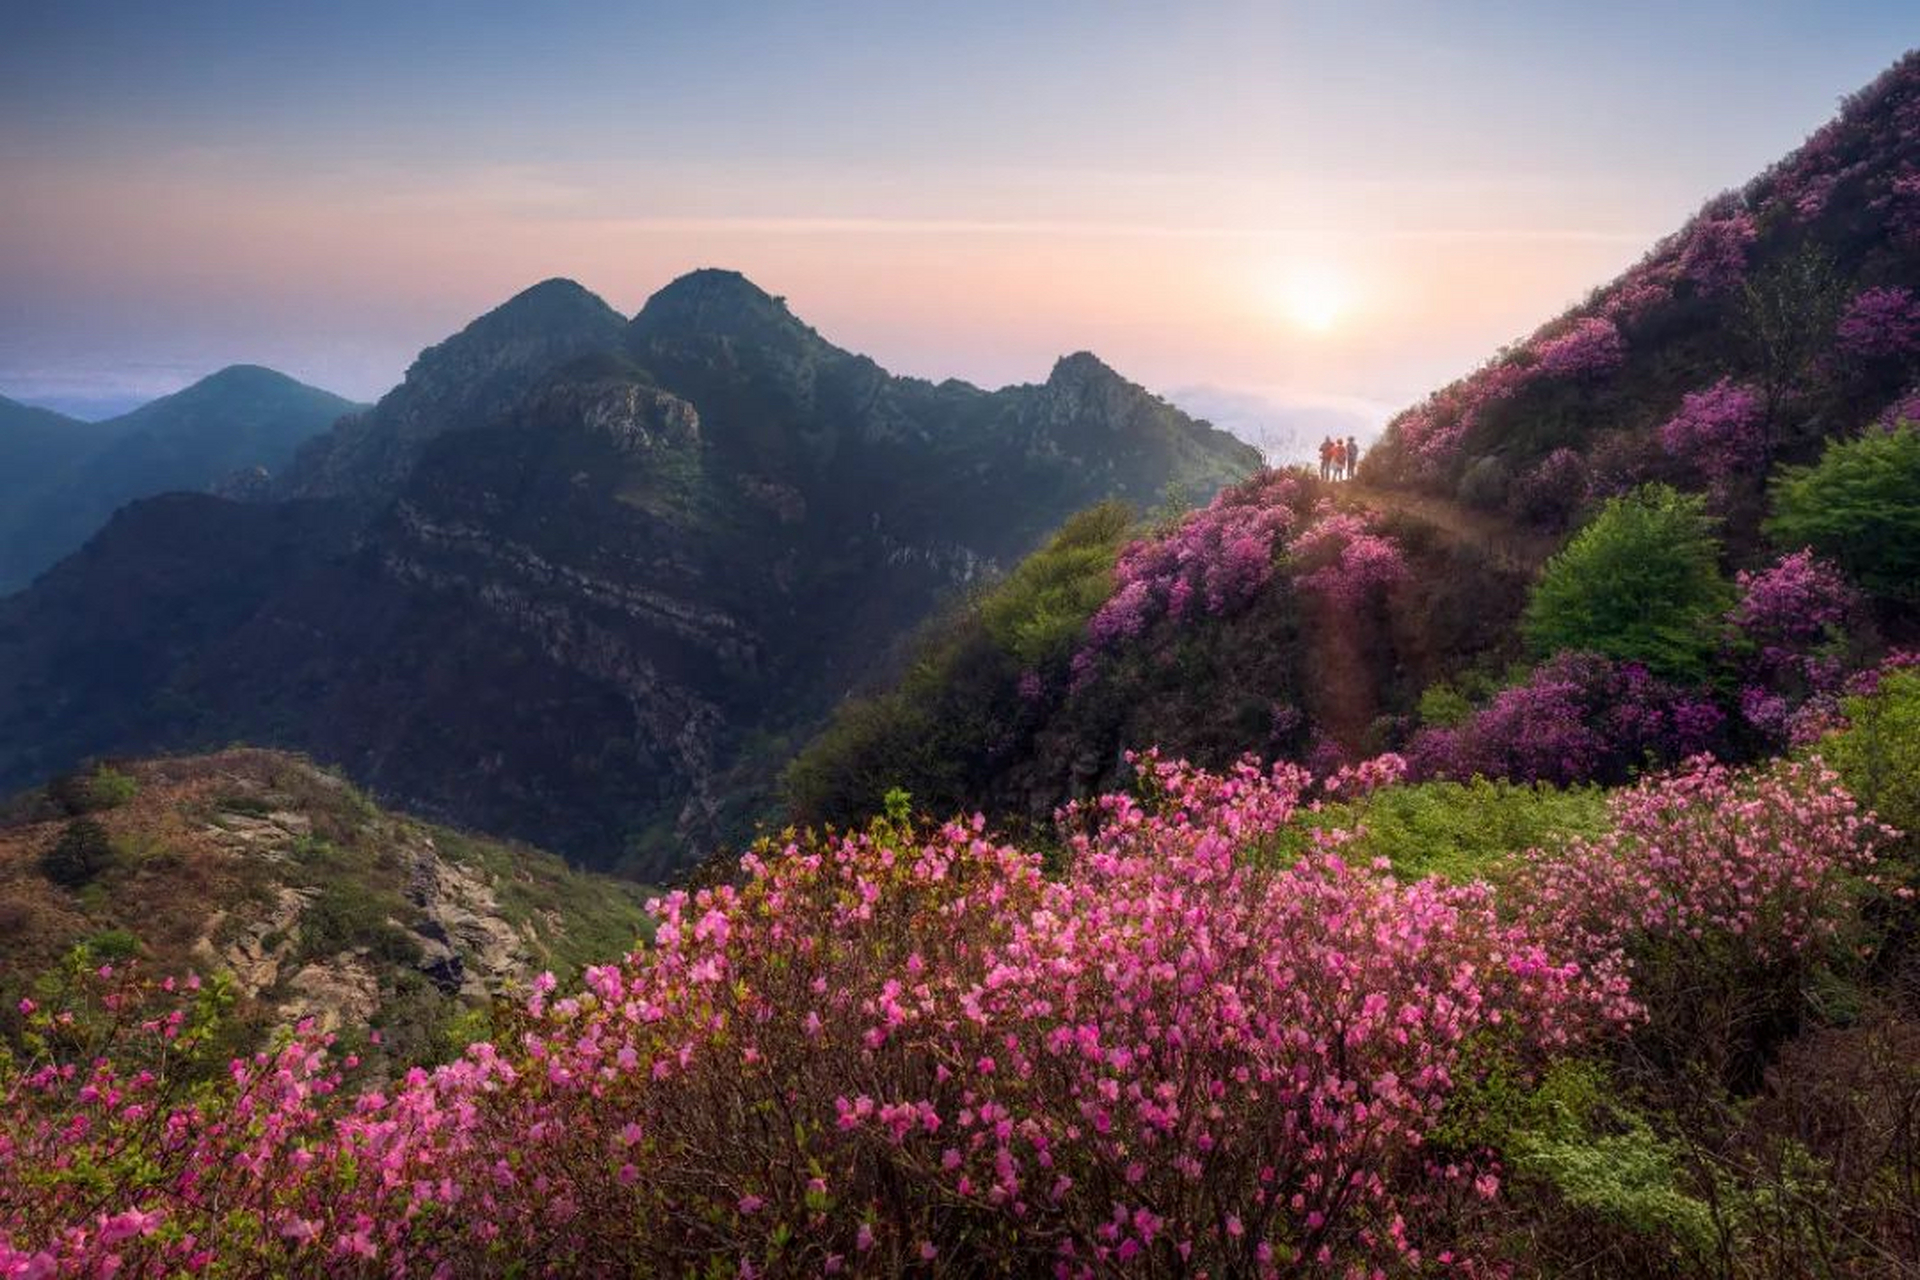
x=1314 y=297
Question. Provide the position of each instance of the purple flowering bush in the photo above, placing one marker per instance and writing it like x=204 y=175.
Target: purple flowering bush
x=1577 y=717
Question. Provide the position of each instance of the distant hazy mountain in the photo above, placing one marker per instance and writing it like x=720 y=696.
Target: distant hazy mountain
x=60 y=479
x=578 y=579
x=37 y=446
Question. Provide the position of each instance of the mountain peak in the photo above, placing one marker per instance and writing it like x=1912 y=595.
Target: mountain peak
x=716 y=302
x=553 y=303
x=1081 y=368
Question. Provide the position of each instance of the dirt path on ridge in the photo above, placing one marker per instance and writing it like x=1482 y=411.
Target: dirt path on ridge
x=1511 y=546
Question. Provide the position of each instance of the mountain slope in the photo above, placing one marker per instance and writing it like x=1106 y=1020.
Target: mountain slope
x=261 y=867
x=578 y=581
x=463 y=381
x=37 y=448
x=242 y=418
x=1302 y=620
x=1799 y=287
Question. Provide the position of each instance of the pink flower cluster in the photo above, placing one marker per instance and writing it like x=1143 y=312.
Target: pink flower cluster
x=1216 y=558
x=1342 y=559
x=1905 y=409
x=1720 y=432
x=879 y=1052
x=1790 y=629
x=1792 y=608
x=1868 y=151
x=1769 y=862
x=1590 y=348
x=1880 y=323
x=1713 y=253
x=1578 y=717
x=1431 y=432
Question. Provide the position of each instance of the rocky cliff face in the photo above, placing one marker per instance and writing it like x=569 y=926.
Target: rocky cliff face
x=596 y=577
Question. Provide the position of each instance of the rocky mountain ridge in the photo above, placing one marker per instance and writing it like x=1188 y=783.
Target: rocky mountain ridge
x=584 y=580
x=279 y=877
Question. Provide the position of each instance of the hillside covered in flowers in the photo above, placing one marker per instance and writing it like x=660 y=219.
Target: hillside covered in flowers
x=1500 y=865
x=1671 y=521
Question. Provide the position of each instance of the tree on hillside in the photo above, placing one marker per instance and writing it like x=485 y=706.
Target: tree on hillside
x=1787 y=316
x=1641 y=583
x=1859 y=505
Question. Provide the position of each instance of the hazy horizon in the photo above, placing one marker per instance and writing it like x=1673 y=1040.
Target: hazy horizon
x=1281 y=215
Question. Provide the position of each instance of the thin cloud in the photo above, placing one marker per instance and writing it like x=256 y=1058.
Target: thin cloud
x=838 y=225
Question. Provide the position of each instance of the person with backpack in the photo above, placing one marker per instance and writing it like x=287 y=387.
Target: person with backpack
x=1353 y=458
x=1326 y=457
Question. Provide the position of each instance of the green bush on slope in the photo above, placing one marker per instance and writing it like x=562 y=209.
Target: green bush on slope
x=958 y=706
x=1859 y=505
x=1878 y=754
x=1641 y=582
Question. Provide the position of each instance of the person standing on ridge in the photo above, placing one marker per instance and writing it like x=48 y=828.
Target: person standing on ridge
x=1326 y=456
x=1353 y=458
x=1339 y=459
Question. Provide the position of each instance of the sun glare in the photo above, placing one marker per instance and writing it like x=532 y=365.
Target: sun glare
x=1315 y=298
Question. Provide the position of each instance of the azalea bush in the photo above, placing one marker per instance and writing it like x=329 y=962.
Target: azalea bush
x=1719 y=890
x=1589 y=348
x=1720 y=432
x=1790 y=635
x=879 y=1051
x=1880 y=323
x=1213 y=560
x=1578 y=717
x=1342 y=558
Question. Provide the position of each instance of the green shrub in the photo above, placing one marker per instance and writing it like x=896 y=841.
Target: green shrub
x=1860 y=506
x=110 y=946
x=111 y=788
x=82 y=852
x=958 y=703
x=1040 y=612
x=82 y=793
x=346 y=916
x=1442 y=706
x=1878 y=754
x=1641 y=582
x=1592 y=1171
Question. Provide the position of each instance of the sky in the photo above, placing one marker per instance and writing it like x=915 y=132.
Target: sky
x=1285 y=215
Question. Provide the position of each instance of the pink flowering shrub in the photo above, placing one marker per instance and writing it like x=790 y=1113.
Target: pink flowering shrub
x=1578 y=717
x=1341 y=558
x=1590 y=348
x=1713 y=253
x=1716 y=890
x=880 y=1052
x=1905 y=409
x=1217 y=559
x=1879 y=323
x=1790 y=627
x=1720 y=432
x=1768 y=861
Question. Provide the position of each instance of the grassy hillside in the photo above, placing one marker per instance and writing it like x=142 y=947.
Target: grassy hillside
x=260 y=868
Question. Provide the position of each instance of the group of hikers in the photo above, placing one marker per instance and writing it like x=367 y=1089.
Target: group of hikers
x=1339 y=459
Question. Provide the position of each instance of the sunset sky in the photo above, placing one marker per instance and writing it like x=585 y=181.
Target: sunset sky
x=1263 y=209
